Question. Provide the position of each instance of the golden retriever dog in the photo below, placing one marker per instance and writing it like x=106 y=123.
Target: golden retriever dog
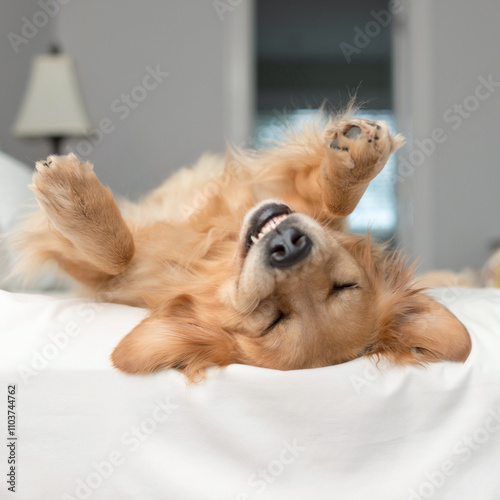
x=263 y=272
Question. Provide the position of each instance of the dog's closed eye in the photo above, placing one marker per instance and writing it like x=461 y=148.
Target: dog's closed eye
x=281 y=316
x=338 y=287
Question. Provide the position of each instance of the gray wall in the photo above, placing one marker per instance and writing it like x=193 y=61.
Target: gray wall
x=14 y=71
x=468 y=177
x=451 y=204
x=113 y=43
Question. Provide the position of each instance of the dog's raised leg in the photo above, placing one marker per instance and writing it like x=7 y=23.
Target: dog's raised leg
x=358 y=150
x=87 y=235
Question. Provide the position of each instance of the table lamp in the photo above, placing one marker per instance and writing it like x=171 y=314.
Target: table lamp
x=52 y=106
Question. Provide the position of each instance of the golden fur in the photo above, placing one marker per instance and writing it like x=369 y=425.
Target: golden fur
x=181 y=253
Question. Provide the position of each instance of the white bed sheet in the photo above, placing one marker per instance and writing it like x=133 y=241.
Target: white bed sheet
x=344 y=432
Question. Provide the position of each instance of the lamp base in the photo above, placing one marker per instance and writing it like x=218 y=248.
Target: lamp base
x=56 y=144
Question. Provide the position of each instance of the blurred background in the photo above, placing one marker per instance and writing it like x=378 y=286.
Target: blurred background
x=154 y=84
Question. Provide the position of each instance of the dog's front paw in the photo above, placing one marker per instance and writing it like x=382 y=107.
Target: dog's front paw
x=84 y=212
x=65 y=189
x=361 y=148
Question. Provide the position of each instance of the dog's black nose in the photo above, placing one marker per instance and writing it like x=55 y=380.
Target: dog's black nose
x=288 y=247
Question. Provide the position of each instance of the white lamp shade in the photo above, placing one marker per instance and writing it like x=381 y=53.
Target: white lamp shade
x=52 y=104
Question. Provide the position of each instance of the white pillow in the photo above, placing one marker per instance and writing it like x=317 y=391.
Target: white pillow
x=16 y=201
x=15 y=197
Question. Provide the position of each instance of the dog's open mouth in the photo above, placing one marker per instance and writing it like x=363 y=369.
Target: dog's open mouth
x=265 y=220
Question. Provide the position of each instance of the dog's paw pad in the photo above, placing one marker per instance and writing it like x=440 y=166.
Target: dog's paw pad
x=353 y=132
x=335 y=144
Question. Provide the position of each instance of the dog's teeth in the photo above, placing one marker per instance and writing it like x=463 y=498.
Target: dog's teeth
x=268 y=227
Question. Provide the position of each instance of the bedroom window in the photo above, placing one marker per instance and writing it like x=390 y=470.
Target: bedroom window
x=304 y=61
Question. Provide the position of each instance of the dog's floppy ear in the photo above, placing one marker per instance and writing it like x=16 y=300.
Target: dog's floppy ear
x=425 y=331
x=162 y=342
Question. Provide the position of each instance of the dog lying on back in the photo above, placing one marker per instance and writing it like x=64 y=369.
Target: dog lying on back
x=263 y=274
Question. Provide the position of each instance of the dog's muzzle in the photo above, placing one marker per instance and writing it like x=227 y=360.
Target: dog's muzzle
x=276 y=230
